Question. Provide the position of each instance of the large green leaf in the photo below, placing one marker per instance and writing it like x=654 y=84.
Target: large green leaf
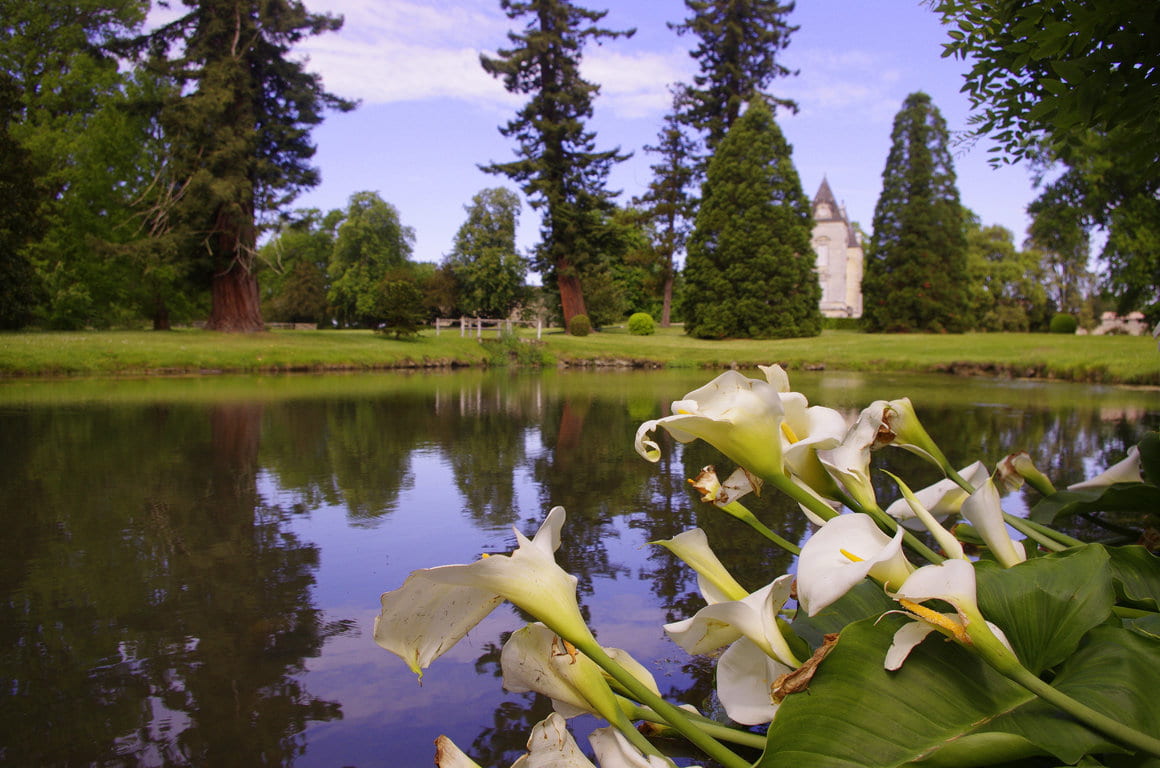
x=1142 y=498
x=866 y=600
x=1116 y=672
x=1136 y=574
x=1046 y=605
x=857 y=715
x=1150 y=458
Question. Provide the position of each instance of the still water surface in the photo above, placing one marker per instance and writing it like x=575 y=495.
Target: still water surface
x=190 y=568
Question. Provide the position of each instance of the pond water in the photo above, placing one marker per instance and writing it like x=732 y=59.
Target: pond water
x=191 y=567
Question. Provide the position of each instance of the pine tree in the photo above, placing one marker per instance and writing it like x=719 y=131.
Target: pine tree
x=559 y=170
x=239 y=133
x=669 y=197
x=916 y=268
x=737 y=55
x=750 y=268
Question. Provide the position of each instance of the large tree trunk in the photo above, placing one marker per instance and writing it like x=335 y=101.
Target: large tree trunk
x=234 y=291
x=571 y=294
x=667 y=302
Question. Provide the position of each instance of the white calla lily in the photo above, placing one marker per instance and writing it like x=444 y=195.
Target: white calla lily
x=745 y=677
x=447 y=755
x=536 y=659
x=841 y=553
x=941 y=499
x=949 y=544
x=953 y=582
x=983 y=511
x=848 y=463
x=550 y=745
x=902 y=429
x=754 y=616
x=1017 y=468
x=436 y=607
x=739 y=416
x=613 y=750
x=805 y=430
x=717 y=585
x=1125 y=471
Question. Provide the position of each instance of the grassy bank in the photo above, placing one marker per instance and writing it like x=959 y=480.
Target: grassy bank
x=1109 y=359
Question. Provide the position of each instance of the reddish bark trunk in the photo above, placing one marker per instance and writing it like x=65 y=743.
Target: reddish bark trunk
x=571 y=295
x=236 y=307
x=667 y=302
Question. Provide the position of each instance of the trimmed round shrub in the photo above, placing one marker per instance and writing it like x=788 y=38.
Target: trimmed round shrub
x=641 y=324
x=1064 y=323
x=580 y=325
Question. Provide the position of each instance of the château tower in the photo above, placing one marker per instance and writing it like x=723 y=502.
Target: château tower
x=838 y=248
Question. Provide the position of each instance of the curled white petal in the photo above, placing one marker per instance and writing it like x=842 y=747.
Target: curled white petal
x=1125 y=471
x=983 y=511
x=717 y=585
x=754 y=616
x=745 y=675
x=613 y=750
x=551 y=745
x=840 y=554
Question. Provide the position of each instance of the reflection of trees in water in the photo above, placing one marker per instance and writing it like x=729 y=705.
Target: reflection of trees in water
x=162 y=614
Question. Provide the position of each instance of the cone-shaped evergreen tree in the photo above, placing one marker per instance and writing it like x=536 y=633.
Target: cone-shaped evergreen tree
x=750 y=268
x=916 y=269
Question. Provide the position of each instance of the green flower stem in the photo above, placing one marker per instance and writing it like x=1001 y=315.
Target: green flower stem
x=908 y=538
x=674 y=716
x=1113 y=728
x=1042 y=534
x=1059 y=536
x=624 y=724
x=741 y=512
x=1043 y=539
x=814 y=503
x=712 y=727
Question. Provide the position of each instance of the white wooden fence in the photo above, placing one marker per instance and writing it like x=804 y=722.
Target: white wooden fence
x=478 y=325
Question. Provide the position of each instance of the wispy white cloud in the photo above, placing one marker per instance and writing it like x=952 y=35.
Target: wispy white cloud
x=407 y=50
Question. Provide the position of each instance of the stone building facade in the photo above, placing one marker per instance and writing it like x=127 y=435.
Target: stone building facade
x=838 y=248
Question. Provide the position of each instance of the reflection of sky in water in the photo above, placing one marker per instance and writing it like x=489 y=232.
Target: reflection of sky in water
x=388 y=718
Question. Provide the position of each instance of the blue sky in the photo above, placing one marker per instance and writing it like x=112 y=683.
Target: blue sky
x=430 y=114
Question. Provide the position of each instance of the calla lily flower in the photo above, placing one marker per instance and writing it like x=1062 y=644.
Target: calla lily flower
x=754 y=616
x=950 y=545
x=739 y=416
x=536 y=659
x=841 y=553
x=849 y=462
x=953 y=582
x=942 y=499
x=1126 y=471
x=903 y=429
x=717 y=585
x=1016 y=468
x=447 y=755
x=983 y=511
x=745 y=677
x=550 y=745
x=436 y=607
x=805 y=430
x=614 y=751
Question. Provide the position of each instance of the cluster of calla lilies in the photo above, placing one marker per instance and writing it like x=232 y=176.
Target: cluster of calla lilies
x=776 y=439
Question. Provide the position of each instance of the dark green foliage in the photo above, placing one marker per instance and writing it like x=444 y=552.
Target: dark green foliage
x=1051 y=75
x=238 y=131
x=1132 y=253
x=737 y=60
x=916 y=266
x=642 y=324
x=488 y=270
x=1064 y=323
x=579 y=325
x=1058 y=230
x=668 y=201
x=20 y=197
x=294 y=279
x=398 y=306
x=559 y=169
x=750 y=268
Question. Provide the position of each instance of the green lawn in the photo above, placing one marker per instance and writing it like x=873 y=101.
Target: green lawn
x=1111 y=359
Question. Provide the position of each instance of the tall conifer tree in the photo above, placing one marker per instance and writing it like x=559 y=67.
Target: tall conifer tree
x=560 y=170
x=916 y=269
x=239 y=133
x=750 y=268
x=740 y=41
